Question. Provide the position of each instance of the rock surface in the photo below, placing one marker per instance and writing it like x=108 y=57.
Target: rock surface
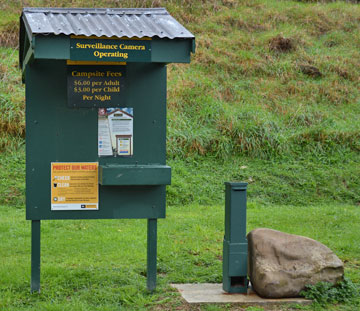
x=281 y=264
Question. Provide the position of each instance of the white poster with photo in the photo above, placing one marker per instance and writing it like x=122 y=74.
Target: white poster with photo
x=115 y=132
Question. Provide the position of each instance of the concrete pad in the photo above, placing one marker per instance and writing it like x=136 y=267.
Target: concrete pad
x=213 y=293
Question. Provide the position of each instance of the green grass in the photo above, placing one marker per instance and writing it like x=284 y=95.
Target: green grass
x=302 y=181
x=12 y=179
x=12 y=102
x=100 y=264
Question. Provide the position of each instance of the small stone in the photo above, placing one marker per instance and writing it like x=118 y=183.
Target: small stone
x=281 y=264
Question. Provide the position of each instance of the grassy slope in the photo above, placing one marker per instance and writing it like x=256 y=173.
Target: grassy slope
x=241 y=103
x=239 y=96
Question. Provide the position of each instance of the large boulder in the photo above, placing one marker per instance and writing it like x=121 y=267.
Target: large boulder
x=281 y=264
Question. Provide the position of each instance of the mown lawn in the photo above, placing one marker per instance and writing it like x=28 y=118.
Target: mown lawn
x=100 y=264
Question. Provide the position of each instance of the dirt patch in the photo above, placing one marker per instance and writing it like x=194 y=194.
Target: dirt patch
x=311 y=71
x=9 y=35
x=229 y=3
x=281 y=44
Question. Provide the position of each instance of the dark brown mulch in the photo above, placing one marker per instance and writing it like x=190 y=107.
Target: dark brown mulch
x=281 y=44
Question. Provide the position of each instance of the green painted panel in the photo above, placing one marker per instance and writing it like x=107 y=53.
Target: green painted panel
x=51 y=47
x=235 y=260
x=171 y=51
x=134 y=175
x=58 y=133
x=235 y=212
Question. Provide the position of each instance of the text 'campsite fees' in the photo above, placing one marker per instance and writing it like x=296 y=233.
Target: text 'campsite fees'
x=110 y=50
x=95 y=85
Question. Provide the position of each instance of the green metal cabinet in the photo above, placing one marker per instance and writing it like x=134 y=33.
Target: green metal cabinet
x=235 y=246
x=63 y=127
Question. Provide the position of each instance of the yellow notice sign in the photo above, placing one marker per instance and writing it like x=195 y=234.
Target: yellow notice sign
x=74 y=186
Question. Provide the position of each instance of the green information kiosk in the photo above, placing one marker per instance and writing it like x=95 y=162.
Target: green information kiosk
x=96 y=116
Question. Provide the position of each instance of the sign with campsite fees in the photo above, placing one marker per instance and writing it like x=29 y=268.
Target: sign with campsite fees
x=74 y=186
x=124 y=129
x=113 y=50
x=95 y=85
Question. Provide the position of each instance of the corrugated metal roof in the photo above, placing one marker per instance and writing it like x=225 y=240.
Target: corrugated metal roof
x=129 y=23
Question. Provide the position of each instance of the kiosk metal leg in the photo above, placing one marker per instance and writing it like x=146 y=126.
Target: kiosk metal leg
x=35 y=256
x=151 y=254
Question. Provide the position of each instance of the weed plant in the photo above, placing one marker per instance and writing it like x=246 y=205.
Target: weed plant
x=324 y=293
